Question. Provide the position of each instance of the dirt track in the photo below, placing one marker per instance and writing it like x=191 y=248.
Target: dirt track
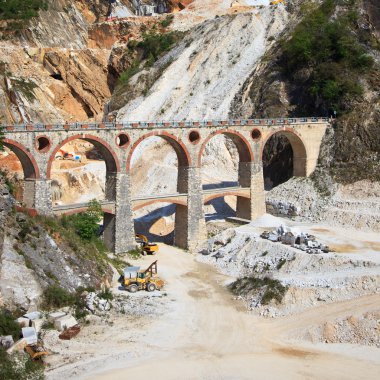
x=211 y=336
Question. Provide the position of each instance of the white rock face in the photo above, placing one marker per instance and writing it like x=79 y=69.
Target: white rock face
x=206 y=74
x=17 y=282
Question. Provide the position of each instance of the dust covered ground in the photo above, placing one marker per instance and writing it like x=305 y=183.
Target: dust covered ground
x=198 y=330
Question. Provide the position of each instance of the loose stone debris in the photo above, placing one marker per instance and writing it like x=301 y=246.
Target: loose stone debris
x=303 y=241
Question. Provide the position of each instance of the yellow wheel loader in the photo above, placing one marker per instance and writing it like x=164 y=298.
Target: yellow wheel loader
x=146 y=245
x=135 y=279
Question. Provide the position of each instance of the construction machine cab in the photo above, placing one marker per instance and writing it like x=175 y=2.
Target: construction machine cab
x=135 y=279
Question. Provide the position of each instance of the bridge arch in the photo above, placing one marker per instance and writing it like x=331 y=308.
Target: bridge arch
x=283 y=152
x=226 y=194
x=28 y=162
x=241 y=143
x=108 y=154
x=184 y=159
x=158 y=200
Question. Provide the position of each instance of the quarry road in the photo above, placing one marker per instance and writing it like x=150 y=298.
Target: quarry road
x=209 y=335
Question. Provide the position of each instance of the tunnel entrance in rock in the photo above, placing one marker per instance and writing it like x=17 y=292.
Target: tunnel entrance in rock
x=278 y=161
x=57 y=76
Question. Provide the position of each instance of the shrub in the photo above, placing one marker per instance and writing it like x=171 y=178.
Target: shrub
x=106 y=294
x=8 y=325
x=86 y=223
x=126 y=75
x=270 y=289
x=20 y=367
x=55 y=297
x=167 y=21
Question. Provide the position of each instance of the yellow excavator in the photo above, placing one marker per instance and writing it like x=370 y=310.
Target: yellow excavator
x=146 y=245
x=135 y=279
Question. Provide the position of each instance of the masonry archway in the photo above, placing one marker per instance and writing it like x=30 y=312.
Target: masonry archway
x=85 y=164
x=284 y=156
x=221 y=206
x=157 y=164
x=19 y=163
x=28 y=163
x=158 y=220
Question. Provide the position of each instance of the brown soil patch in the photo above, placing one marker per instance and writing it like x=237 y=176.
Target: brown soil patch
x=343 y=248
x=289 y=351
x=375 y=246
x=198 y=293
x=322 y=230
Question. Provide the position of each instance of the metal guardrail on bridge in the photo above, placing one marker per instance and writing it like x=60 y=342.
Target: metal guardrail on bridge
x=163 y=124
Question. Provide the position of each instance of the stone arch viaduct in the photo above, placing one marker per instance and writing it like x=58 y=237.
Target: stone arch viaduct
x=36 y=147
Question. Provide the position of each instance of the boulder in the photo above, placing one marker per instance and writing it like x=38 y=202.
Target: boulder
x=30 y=335
x=6 y=341
x=53 y=316
x=65 y=322
x=37 y=324
x=18 y=346
x=23 y=322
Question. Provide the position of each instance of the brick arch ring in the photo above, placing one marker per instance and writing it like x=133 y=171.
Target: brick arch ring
x=293 y=137
x=183 y=155
x=216 y=196
x=296 y=142
x=28 y=162
x=109 y=156
x=171 y=201
x=242 y=144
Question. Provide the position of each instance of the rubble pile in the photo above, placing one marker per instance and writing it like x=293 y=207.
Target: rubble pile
x=303 y=241
x=362 y=329
x=94 y=303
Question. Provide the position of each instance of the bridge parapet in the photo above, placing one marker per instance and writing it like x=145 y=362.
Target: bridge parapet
x=163 y=124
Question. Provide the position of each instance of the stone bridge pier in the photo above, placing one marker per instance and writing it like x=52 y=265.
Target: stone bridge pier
x=36 y=146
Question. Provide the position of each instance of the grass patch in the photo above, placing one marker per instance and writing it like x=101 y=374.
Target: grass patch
x=25 y=87
x=269 y=289
x=167 y=21
x=80 y=233
x=135 y=253
x=281 y=263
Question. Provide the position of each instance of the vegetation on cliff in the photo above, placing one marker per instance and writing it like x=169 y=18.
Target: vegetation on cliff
x=16 y=13
x=21 y=9
x=331 y=52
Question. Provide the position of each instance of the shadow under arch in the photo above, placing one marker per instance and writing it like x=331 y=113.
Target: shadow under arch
x=284 y=156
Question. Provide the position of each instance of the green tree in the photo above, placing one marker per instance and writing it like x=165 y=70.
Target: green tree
x=87 y=223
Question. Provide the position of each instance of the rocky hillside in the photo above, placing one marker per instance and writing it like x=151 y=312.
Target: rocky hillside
x=56 y=64
x=37 y=253
x=327 y=63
